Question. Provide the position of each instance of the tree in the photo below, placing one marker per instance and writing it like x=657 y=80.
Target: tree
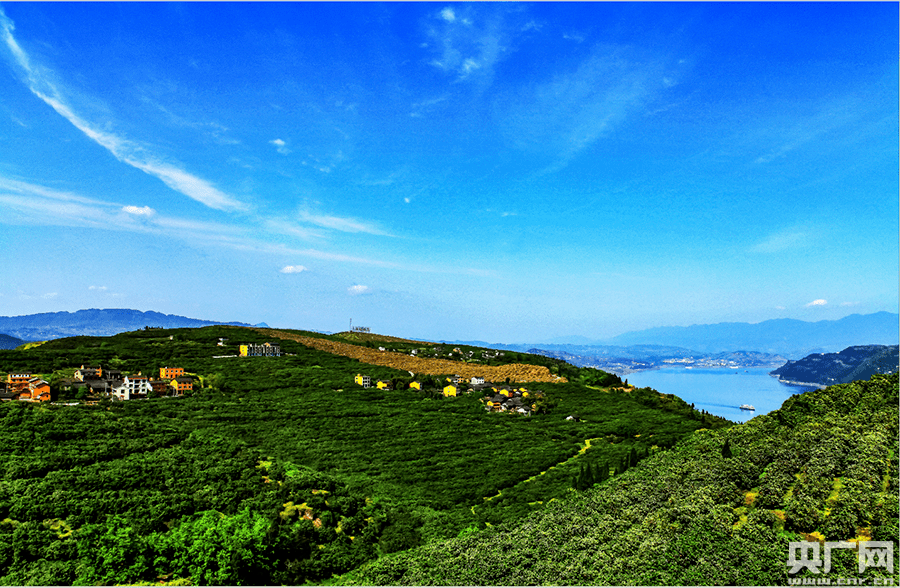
x=726 y=449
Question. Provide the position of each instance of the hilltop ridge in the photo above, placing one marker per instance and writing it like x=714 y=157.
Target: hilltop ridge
x=854 y=363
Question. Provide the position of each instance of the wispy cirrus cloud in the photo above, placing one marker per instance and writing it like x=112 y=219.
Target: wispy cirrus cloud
x=40 y=83
x=782 y=241
x=817 y=302
x=561 y=117
x=804 y=130
x=33 y=204
x=346 y=225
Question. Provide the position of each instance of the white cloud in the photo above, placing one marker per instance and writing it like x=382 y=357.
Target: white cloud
x=280 y=145
x=466 y=49
x=124 y=150
x=357 y=289
x=293 y=269
x=818 y=302
x=50 y=295
x=139 y=210
x=101 y=288
x=849 y=303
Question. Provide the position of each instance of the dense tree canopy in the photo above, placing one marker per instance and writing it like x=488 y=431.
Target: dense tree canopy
x=282 y=470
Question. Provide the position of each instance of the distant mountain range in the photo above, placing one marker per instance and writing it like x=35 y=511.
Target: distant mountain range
x=95 y=322
x=854 y=363
x=788 y=337
x=766 y=344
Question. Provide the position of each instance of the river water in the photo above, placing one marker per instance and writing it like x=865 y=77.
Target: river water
x=720 y=391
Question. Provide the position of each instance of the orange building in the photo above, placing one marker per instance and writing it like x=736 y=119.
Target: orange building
x=168 y=373
x=39 y=390
x=182 y=385
x=17 y=382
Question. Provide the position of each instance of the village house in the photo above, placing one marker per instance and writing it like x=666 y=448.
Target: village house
x=85 y=373
x=181 y=385
x=132 y=387
x=383 y=385
x=17 y=382
x=415 y=385
x=159 y=387
x=25 y=386
x=364 y=381
x=168 y=373
x=5 y=394
x=451 y=390
x=39 y=390
x=476 y=380
x=260 y=350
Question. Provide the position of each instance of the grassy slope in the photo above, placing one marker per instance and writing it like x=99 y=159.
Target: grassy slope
x=824 y=465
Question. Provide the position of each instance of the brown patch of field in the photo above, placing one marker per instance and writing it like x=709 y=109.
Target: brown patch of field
x=516 y=372
x=375 y=338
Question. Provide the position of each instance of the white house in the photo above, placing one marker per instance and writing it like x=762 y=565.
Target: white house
x=132 y=386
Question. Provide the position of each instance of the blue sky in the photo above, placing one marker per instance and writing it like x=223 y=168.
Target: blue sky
x=507 y=172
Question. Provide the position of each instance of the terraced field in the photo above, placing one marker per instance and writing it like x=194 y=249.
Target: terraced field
x=516 y=372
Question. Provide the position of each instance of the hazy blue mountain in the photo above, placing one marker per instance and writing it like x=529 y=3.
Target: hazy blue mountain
x=787 y=337
x=96 y=322
x=854 y=363
x=7 y=342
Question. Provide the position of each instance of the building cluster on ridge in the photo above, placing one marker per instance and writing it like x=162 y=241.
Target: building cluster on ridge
x=496 y=398
x=98 y=383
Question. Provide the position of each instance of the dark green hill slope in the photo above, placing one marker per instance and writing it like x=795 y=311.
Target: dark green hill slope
x=280 y=470
x=854 y=363
x=8 y=342
x=823 y=467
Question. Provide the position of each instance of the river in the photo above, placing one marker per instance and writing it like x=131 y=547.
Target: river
x=720 y=391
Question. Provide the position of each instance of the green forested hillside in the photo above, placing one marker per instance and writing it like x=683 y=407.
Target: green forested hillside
x=280 y=470
x=720 y=508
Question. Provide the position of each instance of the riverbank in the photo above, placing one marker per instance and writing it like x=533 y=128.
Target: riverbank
x=815 y=385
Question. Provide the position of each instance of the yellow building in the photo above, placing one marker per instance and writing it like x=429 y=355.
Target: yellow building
x=244 y=350
x=364 y=381
x=451 y=390
x=383 y=385
x=415 y=385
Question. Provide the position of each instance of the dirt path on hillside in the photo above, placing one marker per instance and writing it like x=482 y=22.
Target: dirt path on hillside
x=516 y=372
